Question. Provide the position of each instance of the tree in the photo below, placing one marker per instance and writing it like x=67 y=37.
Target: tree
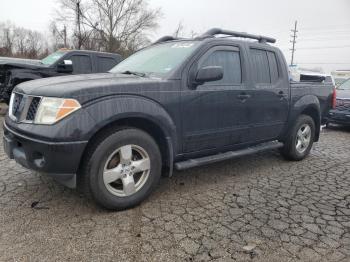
x=20 y=42
x=6 y=39
x=180 y=31
x=110 y=25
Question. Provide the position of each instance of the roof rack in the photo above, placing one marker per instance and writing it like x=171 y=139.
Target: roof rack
x=217 y=31
x=165 y=39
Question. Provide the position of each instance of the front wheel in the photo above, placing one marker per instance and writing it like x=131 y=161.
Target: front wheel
x=122 y=169
x=300 y=139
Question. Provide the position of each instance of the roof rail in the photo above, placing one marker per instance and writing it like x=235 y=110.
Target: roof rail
x=165 y=39
x=217 y=31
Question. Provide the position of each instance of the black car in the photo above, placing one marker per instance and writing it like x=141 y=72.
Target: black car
x=63 y=62
x=178 y=103
x=341 y=113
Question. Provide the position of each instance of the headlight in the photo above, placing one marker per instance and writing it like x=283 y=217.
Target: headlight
x=51 y=110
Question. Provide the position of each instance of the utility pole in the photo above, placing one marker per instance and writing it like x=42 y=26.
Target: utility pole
x=65 y=36
x=78 y=24
x=293 y=41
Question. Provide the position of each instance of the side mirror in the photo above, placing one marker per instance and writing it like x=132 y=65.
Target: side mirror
x=65 y=67
x=209 y=74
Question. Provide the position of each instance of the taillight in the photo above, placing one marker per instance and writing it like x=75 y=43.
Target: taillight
x=334 y=99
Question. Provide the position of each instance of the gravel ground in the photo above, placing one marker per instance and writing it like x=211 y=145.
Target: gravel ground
x=256 y=208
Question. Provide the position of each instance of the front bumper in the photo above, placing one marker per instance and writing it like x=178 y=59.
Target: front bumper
x=61 y=159
x=339 y=117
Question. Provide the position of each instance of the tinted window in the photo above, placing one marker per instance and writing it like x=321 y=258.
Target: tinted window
x=328 y=80
x=231 y=64
x=260 y=64
x=273 y=66
x=81 y=64
x=105 y=63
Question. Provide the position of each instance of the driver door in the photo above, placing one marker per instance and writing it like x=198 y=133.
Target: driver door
x=211 y=113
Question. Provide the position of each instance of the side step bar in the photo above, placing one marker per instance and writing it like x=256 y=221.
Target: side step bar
x=227 y=155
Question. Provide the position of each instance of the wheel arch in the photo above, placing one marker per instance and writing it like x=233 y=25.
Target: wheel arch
x=314 y=113
x=162 y=137
x=307 y=105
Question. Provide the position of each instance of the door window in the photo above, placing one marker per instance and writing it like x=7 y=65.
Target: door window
x=81 y=64
x=260 y=66
x=105 y=63
x=265 y=66
x=273 y=66
x=230 y=62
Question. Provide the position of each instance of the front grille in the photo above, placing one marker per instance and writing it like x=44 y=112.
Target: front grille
x=17 y=105
x=33 y=108
x=23 y=107
x=343 y=105
x=2 y=77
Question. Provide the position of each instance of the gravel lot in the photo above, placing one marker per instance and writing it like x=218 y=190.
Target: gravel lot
x=257 y=208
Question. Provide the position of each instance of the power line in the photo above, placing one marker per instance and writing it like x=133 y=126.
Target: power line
x=328 y=27
x=340 y=37
x=323 y=47
x=323 y=63
x=315 y=47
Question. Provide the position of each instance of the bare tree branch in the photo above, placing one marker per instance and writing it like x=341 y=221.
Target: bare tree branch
x=110 y=25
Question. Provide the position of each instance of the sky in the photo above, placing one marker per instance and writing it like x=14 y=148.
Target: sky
x=323 y=25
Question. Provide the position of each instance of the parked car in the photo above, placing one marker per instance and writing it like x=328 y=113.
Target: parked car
x=340 y=76
x=63 y=62
x=177 y=103
x=341 y=113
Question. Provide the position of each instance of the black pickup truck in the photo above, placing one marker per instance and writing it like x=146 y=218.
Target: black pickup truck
x=175 y=104
x=63 y=62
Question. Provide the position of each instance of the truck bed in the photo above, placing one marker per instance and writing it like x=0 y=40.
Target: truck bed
x=322 y=91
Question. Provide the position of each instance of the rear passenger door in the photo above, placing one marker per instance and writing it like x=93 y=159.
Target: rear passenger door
x=269 y=105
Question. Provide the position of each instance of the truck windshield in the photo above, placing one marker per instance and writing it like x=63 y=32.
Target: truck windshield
x=51 y=59
x=157 y=60
x=345 y=85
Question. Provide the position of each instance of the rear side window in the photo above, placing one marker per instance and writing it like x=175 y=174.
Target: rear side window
x=104 y=64
x=328 y=80
x=260 y=66
x=81 y=64
x=273 y=66
x=230 y=62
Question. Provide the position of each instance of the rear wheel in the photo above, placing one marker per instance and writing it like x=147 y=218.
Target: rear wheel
x=122 y=169
x=300 y=139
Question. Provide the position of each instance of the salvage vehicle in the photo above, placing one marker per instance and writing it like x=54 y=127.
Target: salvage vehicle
x=14 y=71
x=179 y=103
x=341 y=113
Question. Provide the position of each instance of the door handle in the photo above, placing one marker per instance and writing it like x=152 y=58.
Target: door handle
x=281 y=94
x=243 y=96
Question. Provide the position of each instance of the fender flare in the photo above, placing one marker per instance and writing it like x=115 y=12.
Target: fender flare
x=307 y=103
x=108 y=110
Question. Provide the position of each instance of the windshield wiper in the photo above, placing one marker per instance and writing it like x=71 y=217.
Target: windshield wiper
x=128 y=72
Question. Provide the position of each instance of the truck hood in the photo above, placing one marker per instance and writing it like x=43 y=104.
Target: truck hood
x=87 y=87
x=20 y=63
x=343 y=94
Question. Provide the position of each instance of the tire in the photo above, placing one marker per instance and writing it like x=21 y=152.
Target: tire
x=293 y=150
x=108 y=158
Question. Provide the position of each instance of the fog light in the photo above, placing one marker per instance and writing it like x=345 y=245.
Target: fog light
x=39 y=160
